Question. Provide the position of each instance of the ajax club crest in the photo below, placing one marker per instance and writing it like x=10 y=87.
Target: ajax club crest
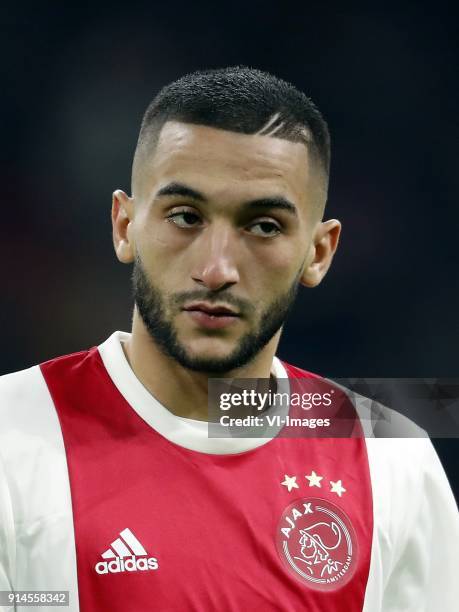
x=317 y=543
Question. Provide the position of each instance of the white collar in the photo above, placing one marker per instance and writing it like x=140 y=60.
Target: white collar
x=189 y=433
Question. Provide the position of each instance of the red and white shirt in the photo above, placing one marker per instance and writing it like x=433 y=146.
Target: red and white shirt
x=108 y=495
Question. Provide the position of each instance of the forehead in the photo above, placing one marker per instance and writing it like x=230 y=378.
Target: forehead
x=215 y=160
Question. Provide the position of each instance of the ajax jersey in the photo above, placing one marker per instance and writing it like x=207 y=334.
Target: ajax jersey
x=106 y=494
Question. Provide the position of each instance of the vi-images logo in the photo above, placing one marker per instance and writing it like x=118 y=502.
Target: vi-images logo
x=127 y=554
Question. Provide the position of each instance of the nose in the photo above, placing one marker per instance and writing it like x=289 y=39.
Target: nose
x=216 y=266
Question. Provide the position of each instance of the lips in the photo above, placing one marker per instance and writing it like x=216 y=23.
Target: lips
x=211 y=316
x=211 y=309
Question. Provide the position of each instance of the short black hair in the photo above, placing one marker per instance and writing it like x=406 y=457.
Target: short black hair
x=239 y=99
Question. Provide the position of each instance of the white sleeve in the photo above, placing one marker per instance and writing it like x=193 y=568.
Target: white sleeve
x=7 y=539
x=424 y=576
x=37 y=544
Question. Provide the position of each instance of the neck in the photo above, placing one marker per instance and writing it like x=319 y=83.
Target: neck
x=183 y=392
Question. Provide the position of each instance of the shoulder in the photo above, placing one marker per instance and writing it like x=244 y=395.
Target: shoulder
x=22 y=387
x=296 y=372
x=398 y=465
x=400 y=453
x=17 y=387
x=31 y=445
x=377 y=420
x=27 y=413
x=406 y=469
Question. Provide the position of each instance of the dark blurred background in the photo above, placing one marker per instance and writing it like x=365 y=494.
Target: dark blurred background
x=77 y=78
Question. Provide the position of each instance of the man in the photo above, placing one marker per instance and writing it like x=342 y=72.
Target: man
x=111 y=487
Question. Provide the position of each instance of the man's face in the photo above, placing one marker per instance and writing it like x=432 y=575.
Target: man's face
x=222 y=228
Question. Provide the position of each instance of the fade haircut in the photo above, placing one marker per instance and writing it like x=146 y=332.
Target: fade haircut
x=238 y=99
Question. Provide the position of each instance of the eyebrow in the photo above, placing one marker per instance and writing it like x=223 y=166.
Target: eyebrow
x=179 y=189
x=273 y=202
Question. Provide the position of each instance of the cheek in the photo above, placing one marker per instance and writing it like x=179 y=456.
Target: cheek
x=158 y=244
x=276 y=264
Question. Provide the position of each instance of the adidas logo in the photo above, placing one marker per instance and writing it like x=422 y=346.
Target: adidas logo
x=127 y=554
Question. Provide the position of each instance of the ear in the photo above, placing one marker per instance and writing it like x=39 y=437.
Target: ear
x=323 y=247
x=122 y=217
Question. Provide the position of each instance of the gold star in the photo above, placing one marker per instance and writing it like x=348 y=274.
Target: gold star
x=314 y=479
x=290 y=482
x=337 y=487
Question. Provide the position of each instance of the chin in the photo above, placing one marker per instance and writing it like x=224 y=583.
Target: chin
x=210 y=354
x=206 y=357
x=211 y=346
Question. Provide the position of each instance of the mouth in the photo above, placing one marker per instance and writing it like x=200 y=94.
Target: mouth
x=211 y=309
x=211 y=316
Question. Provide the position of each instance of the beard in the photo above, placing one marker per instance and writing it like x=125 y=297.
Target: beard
x=153 y=311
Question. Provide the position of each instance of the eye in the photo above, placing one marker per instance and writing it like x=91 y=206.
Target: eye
x=265 y=229
x=184 y=219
